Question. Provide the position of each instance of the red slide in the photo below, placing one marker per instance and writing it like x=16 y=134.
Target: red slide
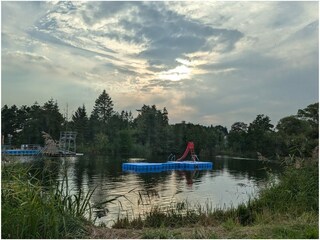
x=190 y=147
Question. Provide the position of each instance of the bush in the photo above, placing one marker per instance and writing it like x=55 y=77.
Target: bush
x=296 y=192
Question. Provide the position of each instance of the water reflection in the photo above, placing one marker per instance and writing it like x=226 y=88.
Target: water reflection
x=230 y=182
x=45 y=170
x=246 y=168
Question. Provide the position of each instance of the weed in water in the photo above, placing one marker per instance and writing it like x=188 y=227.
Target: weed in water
x=287 y=208
x=30 y=210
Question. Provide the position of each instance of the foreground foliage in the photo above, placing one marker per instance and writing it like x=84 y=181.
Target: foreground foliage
x=287 y=208
x=30 y=210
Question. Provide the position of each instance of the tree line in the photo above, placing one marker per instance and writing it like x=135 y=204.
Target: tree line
x=106 y=131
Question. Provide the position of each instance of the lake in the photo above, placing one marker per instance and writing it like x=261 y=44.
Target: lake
x=230 y=182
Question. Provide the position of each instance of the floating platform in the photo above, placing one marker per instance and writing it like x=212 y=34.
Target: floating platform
x=167 y=166
x=21 y=152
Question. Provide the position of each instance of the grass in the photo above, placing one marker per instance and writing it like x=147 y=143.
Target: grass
x=287 y=208
x=30 y=210
x=302 y=227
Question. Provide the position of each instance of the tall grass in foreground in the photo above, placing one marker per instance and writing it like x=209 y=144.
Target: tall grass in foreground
x=30 y=210
x=288 y=209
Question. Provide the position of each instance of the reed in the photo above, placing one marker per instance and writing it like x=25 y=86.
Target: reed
x=30 y=210
x=287 y=208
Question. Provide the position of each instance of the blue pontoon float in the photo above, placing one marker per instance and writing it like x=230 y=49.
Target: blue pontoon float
x=195 y=164
x=167 y=166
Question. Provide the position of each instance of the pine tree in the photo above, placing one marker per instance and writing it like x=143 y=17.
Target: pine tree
x=100 y=120
x=53 y=119
x=103 y=108
x=80 y=123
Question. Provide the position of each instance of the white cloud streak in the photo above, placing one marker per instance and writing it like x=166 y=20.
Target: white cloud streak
x=206 y=62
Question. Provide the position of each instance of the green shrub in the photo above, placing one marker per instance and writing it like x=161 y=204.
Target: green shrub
x=297 y=191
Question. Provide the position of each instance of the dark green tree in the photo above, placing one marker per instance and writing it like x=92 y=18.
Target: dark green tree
x=151 y=125
x=125 y=142
x=299 y=134
x=29 y=125
x=310 y=113
x=261 y=124
x=292 y=126
x=292 y=135
x=52 y=118
x=179 y=135
x=120 y=126
x=80 y=124
x=221 y=132
x=239 y=127
x=237 y=137
x=260 y=136
x=35 y=124
x=9 y=124
x=23 y=124
x=100 y=117
x=211 y=141
x=103 y=108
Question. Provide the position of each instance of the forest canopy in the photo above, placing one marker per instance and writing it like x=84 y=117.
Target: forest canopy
x=106 y=131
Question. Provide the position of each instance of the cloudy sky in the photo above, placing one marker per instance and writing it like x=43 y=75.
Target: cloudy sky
x=207 y=63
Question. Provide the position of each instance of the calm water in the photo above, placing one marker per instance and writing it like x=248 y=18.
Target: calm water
x=230 y=182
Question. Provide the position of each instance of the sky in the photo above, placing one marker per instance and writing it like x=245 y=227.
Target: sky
x=208 y=62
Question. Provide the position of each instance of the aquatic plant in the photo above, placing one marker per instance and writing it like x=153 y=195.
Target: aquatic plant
x=288 y=207
x=30 y=210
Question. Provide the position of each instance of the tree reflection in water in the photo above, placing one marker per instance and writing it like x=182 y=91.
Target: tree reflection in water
x=220 y=186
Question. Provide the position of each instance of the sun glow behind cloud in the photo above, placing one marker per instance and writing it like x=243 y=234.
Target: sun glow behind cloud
x=162 y=50
x=176 y=74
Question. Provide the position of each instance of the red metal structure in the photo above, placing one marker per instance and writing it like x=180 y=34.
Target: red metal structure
x=190 y=148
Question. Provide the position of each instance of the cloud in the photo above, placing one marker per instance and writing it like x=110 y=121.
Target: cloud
x=176 y=74
x=217 y=62
x=27 y=56
x=178 y=35
x=123 y=39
